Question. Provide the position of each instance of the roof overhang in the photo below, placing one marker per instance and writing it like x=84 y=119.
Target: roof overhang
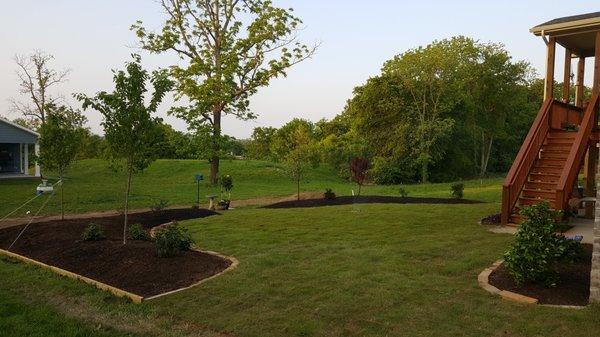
x=6 y=121
x=577 y=33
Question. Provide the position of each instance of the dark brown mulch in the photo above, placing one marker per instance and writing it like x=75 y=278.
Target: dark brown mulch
x=133 y=267
x=367 y=199
x=573 y=288
x=493 y=219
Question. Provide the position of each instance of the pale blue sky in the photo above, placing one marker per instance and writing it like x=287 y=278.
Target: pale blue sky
x=91 y=37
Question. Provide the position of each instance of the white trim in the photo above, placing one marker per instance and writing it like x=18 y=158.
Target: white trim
x=4 y=120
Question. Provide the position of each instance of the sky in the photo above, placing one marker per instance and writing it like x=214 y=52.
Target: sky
x=356 y=37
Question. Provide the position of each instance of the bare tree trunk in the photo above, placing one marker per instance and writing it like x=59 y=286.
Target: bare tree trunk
x=127 y=190
x=424 y=172
x=359 y=188
x=62 y=197
x=486 y=150
x=216 y=147
x=298 y=187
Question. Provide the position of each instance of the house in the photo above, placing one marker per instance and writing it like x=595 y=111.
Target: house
x=562 y=142
x=15 y=143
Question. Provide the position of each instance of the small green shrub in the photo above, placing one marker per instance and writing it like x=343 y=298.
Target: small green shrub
x=93 y=232
x=403 y=192
x=159 y=206
x=137 y=232
x=458 y=190
x=172 y=239
x=538 y=247
x=329 y=194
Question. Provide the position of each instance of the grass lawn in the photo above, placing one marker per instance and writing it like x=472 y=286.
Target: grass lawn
x=93 y=186
x=356 y=270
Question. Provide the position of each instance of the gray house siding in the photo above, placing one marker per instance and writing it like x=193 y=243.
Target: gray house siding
x=14 y=135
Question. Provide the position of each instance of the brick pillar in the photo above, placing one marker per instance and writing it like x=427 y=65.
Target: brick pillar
x=595 y=275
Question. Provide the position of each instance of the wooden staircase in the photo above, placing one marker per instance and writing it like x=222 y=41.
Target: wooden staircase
x=545 y=173
x=550 y=159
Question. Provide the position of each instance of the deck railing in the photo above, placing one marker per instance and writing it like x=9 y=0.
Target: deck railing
x=564 y=188
x=517 y=175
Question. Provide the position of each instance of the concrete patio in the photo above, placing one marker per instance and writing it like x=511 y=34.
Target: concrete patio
x=581 y=226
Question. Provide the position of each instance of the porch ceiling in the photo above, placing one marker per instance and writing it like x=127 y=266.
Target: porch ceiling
x=576 y=33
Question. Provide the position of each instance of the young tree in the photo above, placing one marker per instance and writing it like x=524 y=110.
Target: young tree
x=60 y=142
x=301 y=157
x=36 y=78
x=232 y=48
x=130 y=130
x=358 y=168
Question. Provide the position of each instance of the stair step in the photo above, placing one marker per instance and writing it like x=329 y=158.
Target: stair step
x=540 y=185
x=524 y=201
x=546 y=169
x=562 y=134
x=560 y=141
x=551 y=162
x=556 y=147
x=544 y=194
x=544 y=177
x=560 y=155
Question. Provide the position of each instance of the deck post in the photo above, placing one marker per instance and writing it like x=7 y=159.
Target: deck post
x=550 y=61
x=566 y=96
x=579 y=86
x=595 y=273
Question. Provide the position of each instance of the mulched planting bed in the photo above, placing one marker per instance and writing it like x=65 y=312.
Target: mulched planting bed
x=572 y=289
x=348 y=200
x=134 y=267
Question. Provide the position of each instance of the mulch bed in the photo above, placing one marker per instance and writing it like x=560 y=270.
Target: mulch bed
x=134 y=267
x=348 y=200
x=573 y=287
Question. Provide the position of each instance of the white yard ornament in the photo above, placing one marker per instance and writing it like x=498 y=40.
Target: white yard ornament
x=45 y=187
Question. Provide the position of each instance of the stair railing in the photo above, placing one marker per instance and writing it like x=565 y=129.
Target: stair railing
x=529 y=152
x=564 y=188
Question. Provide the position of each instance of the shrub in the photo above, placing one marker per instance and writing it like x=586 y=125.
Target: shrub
x=159 y=205
x=403 y=192
x=329 y=194
x=172 y=239
x=538 y=247
x=137 y=232
x=93 y=232
x=457 y=190
x=226 y=185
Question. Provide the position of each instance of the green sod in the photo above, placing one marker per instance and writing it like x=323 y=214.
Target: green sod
x=355 y=270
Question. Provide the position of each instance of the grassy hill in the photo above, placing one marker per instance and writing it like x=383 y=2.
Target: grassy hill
x=93 y=186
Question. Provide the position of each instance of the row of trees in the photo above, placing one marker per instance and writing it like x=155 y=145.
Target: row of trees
x=453 y=109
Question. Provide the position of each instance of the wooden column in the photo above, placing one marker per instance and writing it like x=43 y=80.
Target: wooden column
x=566 y=96
x=550 y=60
x=596 y=86
x=590 y=181
x=579 y=86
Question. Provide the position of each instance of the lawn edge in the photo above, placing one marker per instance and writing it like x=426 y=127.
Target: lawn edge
x=483 y=281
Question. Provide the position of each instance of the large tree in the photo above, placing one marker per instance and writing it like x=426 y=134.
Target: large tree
x=36 y=78
x=60 y=142
x=130 y=130
x=497 y=91
x=230 y=48
x=432 y=75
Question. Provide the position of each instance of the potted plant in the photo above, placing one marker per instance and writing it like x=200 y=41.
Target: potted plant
x=226 y=187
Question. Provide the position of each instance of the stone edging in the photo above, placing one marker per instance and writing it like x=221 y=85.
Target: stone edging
x=483 y=280
x=114 y=290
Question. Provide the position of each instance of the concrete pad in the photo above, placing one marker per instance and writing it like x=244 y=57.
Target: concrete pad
x=583 y=227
